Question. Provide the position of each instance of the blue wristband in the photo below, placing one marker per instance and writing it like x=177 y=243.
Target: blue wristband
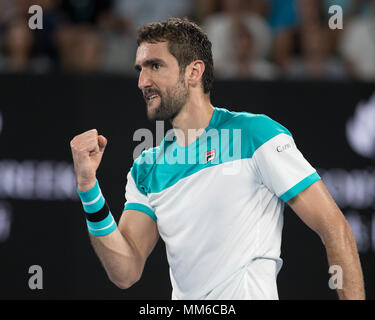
x=99 y=219
x=92 y=200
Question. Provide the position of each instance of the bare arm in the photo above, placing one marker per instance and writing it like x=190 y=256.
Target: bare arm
x=124 y=252
x=318 y=210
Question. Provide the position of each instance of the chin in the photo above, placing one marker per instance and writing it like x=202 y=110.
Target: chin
x=160 y=113
x=152 y=113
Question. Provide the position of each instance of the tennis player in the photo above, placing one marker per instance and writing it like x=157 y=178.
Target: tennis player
x=214 y=189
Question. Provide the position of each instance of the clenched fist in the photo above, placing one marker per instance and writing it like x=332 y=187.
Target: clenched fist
x=87 y=150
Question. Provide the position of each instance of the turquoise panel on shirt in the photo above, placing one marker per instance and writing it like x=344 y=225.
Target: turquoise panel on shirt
x=231 y=135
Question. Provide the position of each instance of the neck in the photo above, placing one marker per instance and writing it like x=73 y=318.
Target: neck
x=193 y=118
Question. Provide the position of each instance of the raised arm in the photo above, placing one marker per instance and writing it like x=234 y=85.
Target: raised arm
x=318 y=211
x=122 y=249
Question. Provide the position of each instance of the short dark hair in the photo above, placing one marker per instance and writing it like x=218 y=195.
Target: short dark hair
x=186 y=42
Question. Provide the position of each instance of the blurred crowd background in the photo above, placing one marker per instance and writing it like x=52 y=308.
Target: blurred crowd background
x=256 y=39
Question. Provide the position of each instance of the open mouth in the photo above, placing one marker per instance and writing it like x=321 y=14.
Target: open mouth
x=152 y=97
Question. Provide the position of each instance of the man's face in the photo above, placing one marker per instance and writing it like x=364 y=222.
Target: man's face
x=162 y=85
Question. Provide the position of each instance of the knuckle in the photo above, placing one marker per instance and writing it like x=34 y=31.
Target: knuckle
x=93 y=132
x=85 y=141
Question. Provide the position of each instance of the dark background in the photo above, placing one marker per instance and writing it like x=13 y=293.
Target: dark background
x=41 y=114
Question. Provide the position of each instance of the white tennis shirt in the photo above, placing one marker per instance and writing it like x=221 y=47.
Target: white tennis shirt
x=219 y=202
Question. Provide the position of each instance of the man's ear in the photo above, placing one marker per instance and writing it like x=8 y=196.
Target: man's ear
x=195 y=72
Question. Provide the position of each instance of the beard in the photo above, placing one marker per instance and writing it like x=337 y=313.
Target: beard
x=171 y=102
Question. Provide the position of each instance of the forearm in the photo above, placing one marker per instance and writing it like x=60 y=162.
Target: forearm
x=342 y=251
x=117 y=254
x=119 y=258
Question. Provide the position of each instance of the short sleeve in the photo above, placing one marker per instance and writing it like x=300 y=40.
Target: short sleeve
x=282 y=168
x=136 y=200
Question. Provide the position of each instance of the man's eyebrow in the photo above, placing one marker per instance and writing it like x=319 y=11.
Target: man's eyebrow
x=148 y=63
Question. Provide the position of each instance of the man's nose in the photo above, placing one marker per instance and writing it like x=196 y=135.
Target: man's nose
x=144 y=80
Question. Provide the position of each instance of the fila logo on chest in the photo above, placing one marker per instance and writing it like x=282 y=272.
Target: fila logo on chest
x=210 y=155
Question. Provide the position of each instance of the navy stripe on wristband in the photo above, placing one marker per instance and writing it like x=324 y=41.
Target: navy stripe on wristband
x=102 y=228
x=100 y=215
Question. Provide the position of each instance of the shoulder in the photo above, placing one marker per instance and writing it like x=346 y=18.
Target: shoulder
x=252 y=123
x=256 y=129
